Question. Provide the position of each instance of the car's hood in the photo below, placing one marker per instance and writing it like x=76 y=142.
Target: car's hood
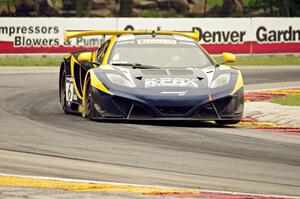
x=190 y=78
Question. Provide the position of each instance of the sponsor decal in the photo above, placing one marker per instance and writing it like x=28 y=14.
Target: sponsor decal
x=32 y=35
x=264 y=35
x=221 y=36
x=85 y=41
x=69 y=92
x=125 y=42
x=179 y=93
x=170 y=82
x=156 y=41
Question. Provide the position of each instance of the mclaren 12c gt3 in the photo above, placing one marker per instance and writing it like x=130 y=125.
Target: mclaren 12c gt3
x=153 y=75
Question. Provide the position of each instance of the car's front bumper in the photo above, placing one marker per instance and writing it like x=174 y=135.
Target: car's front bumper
x=220 y=106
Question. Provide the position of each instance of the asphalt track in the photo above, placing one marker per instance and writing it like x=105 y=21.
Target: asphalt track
x=36 y=138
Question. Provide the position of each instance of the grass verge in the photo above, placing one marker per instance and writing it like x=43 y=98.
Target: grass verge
x=290 y=100
x=272 y=60
x=30 y=61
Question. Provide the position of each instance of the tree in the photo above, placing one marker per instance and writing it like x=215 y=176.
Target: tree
x=280 y=8
x=83 y=8
x=232 y=8
x=125 y=8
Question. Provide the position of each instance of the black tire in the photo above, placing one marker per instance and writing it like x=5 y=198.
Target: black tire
x=227 y=122
x=63 y=96
x=89 y=108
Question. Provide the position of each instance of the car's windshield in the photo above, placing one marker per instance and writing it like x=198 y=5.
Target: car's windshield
x=160 y=53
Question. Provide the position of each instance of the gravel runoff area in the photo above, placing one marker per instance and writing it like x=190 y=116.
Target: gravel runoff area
x=265 y=111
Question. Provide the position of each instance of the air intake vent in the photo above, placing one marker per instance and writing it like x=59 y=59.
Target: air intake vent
x=174 y=110
x=181 y=72
x=208 y=111
x=154 y=72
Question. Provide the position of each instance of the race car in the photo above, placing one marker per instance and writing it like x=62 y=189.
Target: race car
x=163 y=75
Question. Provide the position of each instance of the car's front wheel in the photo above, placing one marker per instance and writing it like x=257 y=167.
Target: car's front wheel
x=227 y=122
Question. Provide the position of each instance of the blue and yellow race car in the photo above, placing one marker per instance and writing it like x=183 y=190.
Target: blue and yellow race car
x=150 y=75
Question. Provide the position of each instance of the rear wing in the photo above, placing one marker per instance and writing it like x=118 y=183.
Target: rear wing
x=73 y=34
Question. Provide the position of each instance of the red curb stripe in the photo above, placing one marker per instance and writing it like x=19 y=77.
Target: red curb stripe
x=261 y=96
x=205 y=195
x=286 y=131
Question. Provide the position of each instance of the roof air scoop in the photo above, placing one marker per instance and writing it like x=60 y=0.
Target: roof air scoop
x=153 y=34
x=200 y=78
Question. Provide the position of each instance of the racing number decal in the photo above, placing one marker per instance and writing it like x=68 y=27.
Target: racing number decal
x=69 y=91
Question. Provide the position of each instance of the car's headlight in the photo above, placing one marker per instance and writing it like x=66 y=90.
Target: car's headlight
x=221 y=80
x=118 y=79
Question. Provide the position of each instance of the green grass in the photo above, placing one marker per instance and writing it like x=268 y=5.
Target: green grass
x=290 y=100
x=277 y=60
x=30 y=61
x=151 y=13
x=212 y=3
x=159 y=13
x=272 y=60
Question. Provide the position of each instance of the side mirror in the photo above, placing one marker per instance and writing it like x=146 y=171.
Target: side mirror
x=228 y=57
x=86 y=56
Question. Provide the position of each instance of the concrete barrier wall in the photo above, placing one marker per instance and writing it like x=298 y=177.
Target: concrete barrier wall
x=236 y=35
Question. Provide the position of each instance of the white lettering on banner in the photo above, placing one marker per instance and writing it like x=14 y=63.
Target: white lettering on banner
x=170 y=82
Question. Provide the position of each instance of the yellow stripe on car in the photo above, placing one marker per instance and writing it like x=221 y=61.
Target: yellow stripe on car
x=95 y=82
x=107 y=53
x=239 y=83
x=67 y=56
x=73 y=60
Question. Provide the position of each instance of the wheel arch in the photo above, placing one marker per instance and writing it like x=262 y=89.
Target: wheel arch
x=87 y=80
x=61 y=71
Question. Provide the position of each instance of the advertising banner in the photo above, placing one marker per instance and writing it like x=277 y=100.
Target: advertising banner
x=276 y=35
x=217 y=34
x=46 y=35
x=236 y=35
